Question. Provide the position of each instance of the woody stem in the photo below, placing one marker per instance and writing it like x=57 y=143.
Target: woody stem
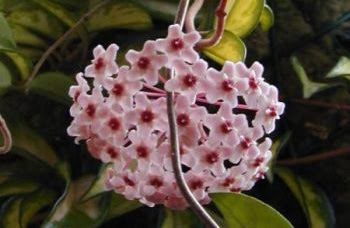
x=174 y=140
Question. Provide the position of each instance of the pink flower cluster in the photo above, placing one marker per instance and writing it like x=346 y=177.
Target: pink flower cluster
x=122 y=116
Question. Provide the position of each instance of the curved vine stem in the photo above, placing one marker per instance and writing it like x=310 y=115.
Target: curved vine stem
x=59 y=41
x=6 y=137
x=174 y=140
x=315 y=157
x=192 y=12
x=219 y=30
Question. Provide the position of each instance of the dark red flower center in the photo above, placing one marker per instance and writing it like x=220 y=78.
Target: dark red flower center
x=177 y=44
x=183 y=120
x=189 y=80
x=99 y=64
x=257 y=162
x=156 y=182
x=253 y=84
x=118 y=89
x=228 y=181
x=147 y=116
x=196 y=184
x=128 y=181
x=142 y=152
x=143 y=63
x=226 y=127
x=235 y=189
x=90 y=110
x=112 y=152
x=227 y=85
x=212 y=157
x=272 y=112
x=245 y=143
x=114 y=124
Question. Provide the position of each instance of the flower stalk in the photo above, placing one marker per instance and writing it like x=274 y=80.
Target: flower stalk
x=6 y=137
x=174 y=140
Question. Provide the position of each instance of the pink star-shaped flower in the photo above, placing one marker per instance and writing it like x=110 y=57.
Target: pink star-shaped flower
x=148 y=113
x=198 y=183
x=103 y=65
x=270 y=109
x=89 y=105
x=121 y=89
x=179 y=45
x=212 y=157
x=188 y=79
x=76 y=91
x=188 y=119
x=224 y=125
x=143 y=148
x=224 y=86
x=146 y=63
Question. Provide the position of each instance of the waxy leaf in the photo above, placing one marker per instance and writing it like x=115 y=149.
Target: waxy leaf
x=276 y=148
x=119 y=16
x=29 y=144
x=165 y=10
x=25 y=37
x=10 y=213
x=54 y=85
x=230 y=48
x=98 y=186
x=17 y=186
x=314 y=202
x=31 y=204
x=179 y=219
x=309 y=87
x=267 y=18
x=37 y=20
x=244 y=211
x=5 y=79
x=119 y=206
x=7 y=43
x=23 y=64
x=341 y=69
x=244 y=16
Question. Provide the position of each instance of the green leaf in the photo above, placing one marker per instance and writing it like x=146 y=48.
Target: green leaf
x=7 y=43
x=119 y=206
x=119 y=16
x=68 y=212
x=179 y=219
x=32 y=204
x=38 y=21
x=267 y=18
x=244 y=16
x=54 y=85
x=61 y=13
x=230 y=48
x=30 y=144
x=10 y=212
x=16 y=186
x=309 y=87
x=240 y=210
x=98 y=186
x=160 y=9
x=314 y=202
x=25 y=37
x=276 y=149
x=5 y=79
x=341 y=69
x=23 y=64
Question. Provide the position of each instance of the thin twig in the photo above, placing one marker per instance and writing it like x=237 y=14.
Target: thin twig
x=322 y=104
x=5 y=132
x=58 y=42
x=191 y=15
x=219 y=30
x=316 y=157
x=174 y=140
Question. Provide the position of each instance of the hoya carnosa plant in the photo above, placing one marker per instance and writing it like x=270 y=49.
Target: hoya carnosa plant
x=122 y=118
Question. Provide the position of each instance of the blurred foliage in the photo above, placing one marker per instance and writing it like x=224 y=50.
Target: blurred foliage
x=48 y=180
